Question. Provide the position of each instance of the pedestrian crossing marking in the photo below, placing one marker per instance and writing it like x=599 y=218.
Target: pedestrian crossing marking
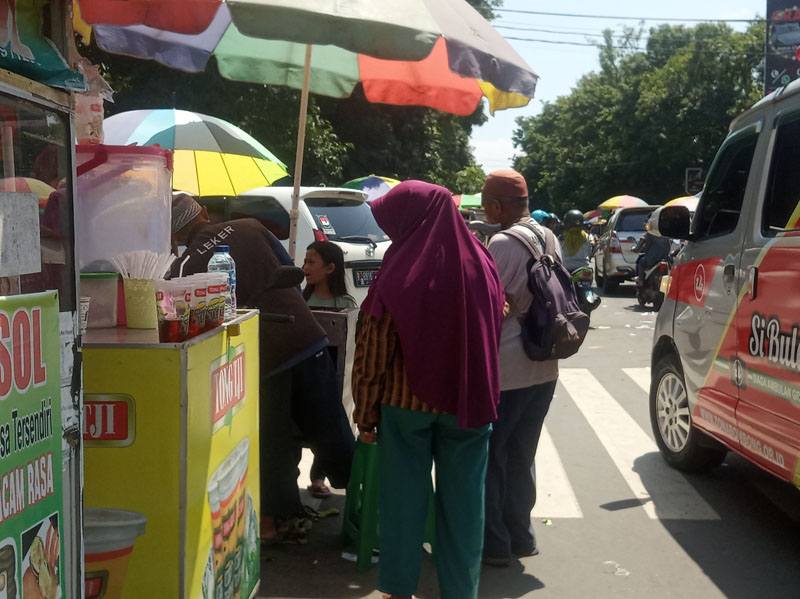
x=640 y=376
x=554 y=495
x=666 y=494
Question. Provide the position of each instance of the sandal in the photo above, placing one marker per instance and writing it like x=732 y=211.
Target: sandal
x=319 y=490
x=290 y=529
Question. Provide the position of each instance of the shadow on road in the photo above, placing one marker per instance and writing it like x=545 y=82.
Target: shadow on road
x=507 y=583
x=752 y=550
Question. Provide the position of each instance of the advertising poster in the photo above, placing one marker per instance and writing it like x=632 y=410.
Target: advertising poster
x=31 y=563
x=223 y=553
x=24 y=50
x=783 y=44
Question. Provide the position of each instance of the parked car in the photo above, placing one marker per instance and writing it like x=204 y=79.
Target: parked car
x=615 y=258
x=336 y=214
x=726 y=353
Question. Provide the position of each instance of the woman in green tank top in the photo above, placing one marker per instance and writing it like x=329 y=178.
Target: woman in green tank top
x=326 y=287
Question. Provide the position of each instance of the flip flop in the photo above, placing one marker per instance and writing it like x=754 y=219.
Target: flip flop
x=320 y=492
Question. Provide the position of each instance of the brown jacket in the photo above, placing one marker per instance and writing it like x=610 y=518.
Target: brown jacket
x=251 y=249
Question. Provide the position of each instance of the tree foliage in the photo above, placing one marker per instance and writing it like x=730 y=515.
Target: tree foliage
x=345 y=139
x=634 y=126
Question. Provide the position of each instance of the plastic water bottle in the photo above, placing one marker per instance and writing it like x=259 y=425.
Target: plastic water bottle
x=221 y=261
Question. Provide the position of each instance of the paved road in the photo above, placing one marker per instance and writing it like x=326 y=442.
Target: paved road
x=612 y=519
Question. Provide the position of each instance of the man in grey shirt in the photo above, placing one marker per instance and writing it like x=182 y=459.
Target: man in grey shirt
x=527 y=387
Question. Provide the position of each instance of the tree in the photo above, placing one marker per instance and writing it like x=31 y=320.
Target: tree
x=636 y=124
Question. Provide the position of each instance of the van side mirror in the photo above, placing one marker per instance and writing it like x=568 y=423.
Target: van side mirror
x=671 y=222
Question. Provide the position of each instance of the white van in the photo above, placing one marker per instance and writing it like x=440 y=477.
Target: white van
x=726 y=354
x=336 y=214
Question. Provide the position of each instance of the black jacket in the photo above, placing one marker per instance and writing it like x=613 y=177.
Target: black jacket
x=251 y=247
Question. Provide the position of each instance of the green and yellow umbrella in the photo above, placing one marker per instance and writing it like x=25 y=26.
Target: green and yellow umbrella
x=212 y=156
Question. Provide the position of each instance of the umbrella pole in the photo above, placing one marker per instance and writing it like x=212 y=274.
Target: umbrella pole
x=298 y=160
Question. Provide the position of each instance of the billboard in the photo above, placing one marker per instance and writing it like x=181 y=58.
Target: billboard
x=783 y=44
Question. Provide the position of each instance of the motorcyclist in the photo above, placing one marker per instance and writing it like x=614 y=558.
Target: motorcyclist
x=575 y=245
x=553 y=223
x=539 y=216
x=652 y=250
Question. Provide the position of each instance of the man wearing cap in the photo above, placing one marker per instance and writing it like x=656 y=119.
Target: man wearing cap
x=298 y=379
x=526 y=386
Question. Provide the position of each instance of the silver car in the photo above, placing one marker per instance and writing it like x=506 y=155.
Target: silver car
x=615 y=258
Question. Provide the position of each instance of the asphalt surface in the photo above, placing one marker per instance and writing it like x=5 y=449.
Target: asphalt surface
x=612 y=520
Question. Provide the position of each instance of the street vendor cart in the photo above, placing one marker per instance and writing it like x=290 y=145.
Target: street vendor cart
x=171 y=462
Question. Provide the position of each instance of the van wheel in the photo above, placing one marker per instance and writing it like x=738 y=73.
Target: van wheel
x=682 y=446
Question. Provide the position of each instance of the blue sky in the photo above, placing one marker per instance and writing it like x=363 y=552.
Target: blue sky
x=559 y=66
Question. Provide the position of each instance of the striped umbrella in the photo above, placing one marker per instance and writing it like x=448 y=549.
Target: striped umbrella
x=28 y=185
x=212 y=157
x=624 y=201
x=374 y=185
x=689 y=201
x=437 y=53
x=466 y=201
x=334 y=71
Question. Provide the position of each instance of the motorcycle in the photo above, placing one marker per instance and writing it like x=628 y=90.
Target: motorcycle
x=582 y=280
x=650 y=291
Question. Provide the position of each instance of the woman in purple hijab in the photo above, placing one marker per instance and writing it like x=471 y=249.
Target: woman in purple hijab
x=426 y=376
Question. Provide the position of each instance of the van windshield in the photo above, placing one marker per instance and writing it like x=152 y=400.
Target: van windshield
x=342 y=218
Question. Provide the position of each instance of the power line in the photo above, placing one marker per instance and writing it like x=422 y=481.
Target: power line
x=671 y=40
x=637 y=48
x=625 y=18
x=548 y=31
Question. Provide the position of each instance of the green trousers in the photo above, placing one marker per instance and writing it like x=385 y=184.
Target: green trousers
x=408 y=443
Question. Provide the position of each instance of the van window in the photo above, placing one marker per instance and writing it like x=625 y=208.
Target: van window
x=721 y=203
x=783 y=191
x=339 y=218
x=267 y=210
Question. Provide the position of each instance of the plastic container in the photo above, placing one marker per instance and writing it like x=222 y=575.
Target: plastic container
x=123 y=203
x=197 y=304
x=101 y=289
x=222 y=261
x=215 y=299
x=172 y=299
x=140 y=304
x=109 y=536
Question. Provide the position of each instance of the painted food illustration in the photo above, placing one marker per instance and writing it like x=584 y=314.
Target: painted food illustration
x=41 y=577
x=8 y=571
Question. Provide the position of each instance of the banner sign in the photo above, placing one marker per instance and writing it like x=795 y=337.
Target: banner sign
x=31 y=502
x=783 y=44
x=25 y=51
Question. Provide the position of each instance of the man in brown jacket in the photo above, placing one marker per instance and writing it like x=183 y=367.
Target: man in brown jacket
x=298 y=380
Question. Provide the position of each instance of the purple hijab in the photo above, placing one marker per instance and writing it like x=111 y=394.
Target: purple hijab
x=444 y=295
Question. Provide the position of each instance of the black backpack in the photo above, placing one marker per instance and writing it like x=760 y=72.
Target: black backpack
x=554 y=326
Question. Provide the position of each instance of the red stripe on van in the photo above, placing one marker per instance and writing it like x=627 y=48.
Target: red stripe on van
x=692 y=280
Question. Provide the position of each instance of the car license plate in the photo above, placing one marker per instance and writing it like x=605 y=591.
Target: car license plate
x=363 y=278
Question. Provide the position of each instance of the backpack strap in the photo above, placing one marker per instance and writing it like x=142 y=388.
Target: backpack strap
x=526 y=241
x=545 y=237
